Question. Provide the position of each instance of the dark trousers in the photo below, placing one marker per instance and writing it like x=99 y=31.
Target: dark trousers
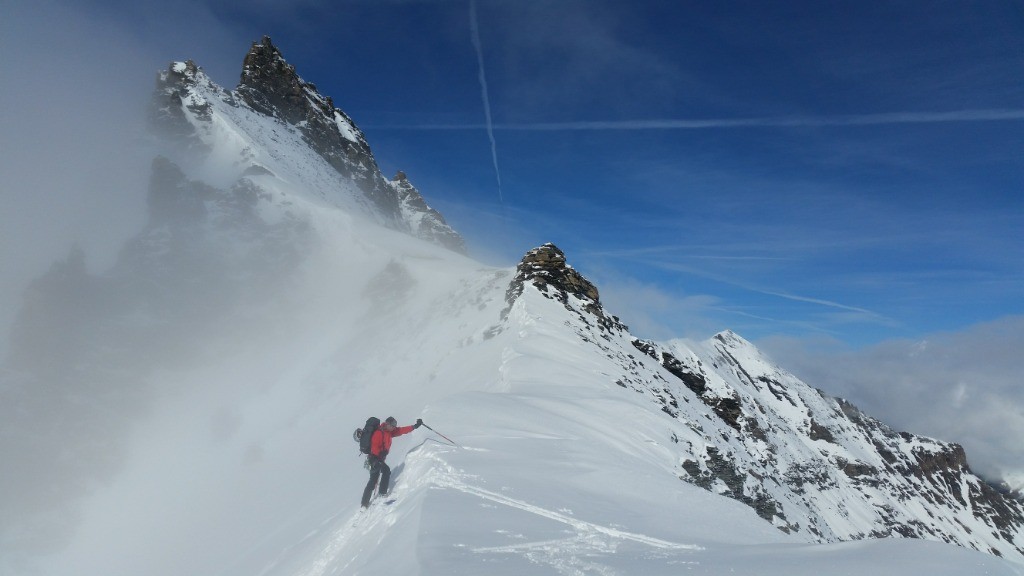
x=378 y=471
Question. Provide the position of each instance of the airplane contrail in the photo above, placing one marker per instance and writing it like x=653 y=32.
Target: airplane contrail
x=475 y=33
x=784 y=121
x=764 y=122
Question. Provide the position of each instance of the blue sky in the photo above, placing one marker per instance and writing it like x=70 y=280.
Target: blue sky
x=812 y=168
x=840 y=182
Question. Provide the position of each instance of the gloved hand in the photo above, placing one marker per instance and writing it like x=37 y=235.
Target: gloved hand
x=419 y=422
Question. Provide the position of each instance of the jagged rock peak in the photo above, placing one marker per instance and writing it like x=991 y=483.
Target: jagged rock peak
x=546 y=268
x=260 y=55
x=546 y=265
x=270 y=85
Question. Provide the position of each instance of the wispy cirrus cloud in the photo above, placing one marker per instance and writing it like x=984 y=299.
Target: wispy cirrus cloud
x=474 y=27
x=818 y=301
x=739 y=272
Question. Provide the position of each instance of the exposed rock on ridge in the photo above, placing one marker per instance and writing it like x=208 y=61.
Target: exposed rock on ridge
x=545 y=267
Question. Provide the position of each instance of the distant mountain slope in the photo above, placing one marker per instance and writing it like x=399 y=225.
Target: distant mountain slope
x=806 y=462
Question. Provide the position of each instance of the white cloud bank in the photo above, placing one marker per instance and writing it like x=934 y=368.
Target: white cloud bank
x=962 y=387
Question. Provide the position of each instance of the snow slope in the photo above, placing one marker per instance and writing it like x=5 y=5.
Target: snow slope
x=558 y=469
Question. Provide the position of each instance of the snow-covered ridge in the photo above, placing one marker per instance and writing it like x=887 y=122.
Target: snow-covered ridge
x=808 y=463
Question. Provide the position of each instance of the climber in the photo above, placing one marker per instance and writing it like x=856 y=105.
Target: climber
x=380 y=444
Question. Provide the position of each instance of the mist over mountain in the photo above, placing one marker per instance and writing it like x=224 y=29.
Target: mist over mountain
x=188 y=409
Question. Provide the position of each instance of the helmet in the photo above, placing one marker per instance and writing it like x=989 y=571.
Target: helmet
x=391 y=421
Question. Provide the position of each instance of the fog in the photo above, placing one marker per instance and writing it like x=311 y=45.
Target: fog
x=74 y=169
x=961 y=387
x=159 y=373
x=202 y=390
x=73 y=151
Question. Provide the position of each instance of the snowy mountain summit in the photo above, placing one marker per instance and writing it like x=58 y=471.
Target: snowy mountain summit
x=189 y=410
x=274 y=117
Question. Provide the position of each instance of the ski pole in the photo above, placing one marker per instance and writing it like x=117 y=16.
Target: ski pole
x=441 y=435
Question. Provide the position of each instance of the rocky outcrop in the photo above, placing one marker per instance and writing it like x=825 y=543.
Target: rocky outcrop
x=546 y=269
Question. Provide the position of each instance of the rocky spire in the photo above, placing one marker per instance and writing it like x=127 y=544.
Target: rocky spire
x=271 y=86
x=545 y=267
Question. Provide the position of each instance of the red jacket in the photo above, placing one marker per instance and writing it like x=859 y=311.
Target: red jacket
x=380 y=443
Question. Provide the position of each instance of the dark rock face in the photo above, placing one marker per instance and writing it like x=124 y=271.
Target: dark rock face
x=720 y=468
x=727 y=408
x=271 y=86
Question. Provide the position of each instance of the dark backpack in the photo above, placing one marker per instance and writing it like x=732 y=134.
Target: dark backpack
x=365 y=435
